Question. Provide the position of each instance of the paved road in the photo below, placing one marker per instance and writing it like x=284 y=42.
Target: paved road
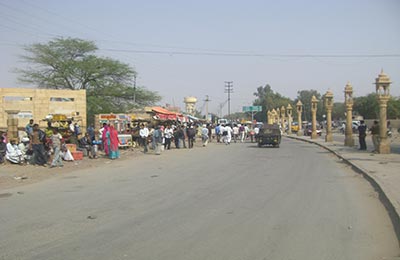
x=220 y=202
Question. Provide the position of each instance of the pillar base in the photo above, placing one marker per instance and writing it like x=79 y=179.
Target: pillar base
x=314 y=135
x=300 y=133
x=349 y=141
x=329 y=138
x=384 y=147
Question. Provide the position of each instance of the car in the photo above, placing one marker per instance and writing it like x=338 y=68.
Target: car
x=295 y=127
x=308 y=130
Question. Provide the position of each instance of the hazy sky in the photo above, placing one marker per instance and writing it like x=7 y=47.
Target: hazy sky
x=182 y=48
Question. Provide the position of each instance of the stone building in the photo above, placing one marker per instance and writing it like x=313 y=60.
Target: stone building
x=41 y=103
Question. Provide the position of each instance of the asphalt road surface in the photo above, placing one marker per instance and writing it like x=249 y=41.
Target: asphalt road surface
x=235 y=202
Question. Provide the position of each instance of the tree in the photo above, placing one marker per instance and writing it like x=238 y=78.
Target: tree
x=305 y=97
x=269 y=100
x=367 y=106
x=394 y=108
x=338 y=111
x=71 y=64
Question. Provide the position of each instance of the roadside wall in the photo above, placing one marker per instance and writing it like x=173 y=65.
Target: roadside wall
x=38 y=103
x=394 y=123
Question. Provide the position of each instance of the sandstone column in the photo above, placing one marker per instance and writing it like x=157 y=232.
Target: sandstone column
x=382 y=83
x=329 y=107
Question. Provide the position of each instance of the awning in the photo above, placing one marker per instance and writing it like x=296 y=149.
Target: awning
x=161 y=110
x=164 y=114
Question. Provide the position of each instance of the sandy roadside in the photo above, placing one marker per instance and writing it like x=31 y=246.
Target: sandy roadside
x=12 y=175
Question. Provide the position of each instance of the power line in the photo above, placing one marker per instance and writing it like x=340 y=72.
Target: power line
x=382 y=55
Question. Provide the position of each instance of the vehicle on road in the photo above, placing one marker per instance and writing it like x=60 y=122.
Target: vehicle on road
x=308 y=130
x=269 y=135
x=295 y=127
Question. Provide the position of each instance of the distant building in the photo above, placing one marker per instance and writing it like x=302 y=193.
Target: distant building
x=38 y=104
x=190 y=103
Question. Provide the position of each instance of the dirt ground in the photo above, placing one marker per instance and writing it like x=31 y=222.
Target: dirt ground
x=12 y=175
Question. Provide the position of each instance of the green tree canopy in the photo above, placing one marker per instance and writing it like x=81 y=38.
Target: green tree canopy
x=269 y=100
x=72 y=64
x=368 y=107
x=305 y=97
x=338 y=111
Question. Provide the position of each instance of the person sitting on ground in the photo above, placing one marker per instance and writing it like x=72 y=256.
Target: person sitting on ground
x=13 y=154
x=3 y=149
x=24 y=147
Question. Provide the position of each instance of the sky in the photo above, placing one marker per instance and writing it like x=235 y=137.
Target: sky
x=185 y=48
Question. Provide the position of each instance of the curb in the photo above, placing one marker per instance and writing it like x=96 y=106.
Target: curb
x=394 y=214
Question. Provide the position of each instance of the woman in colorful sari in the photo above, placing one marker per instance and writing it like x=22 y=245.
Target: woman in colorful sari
x=106 y=129
x=112 y=139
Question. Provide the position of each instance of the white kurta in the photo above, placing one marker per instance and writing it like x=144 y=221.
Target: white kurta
x=13 y=154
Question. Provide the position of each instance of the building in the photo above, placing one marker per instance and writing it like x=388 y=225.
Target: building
x=40 y=104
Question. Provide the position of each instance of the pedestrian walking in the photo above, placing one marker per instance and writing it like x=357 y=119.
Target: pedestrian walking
x=242 y=133
x=218 y=133
x=362 y=133
x=228 y=136
x=204 y=135
x=191 y=135
x=235 y=132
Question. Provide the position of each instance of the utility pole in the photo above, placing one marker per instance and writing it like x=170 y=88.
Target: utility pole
x=229 y=90
x=134 y=88
x=206 y=101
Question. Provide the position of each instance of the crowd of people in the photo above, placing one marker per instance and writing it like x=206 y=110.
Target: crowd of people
x=49 y=148
x=162 y=136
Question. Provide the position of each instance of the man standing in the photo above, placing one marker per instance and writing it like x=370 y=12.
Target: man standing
x=37 y=143
x=144 y=133
x=29 y=127
x=375 y=135
x=235 y=132
x=56 y=143
x=241 y=133
x=218 y=132
x=191 y=132
x=157 y=139
x=362 y=133
x=168 y=133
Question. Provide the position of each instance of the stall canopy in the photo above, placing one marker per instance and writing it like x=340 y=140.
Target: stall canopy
x=164 y=114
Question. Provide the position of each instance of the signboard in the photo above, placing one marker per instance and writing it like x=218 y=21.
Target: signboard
x=107 y=117
x=252 y=109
